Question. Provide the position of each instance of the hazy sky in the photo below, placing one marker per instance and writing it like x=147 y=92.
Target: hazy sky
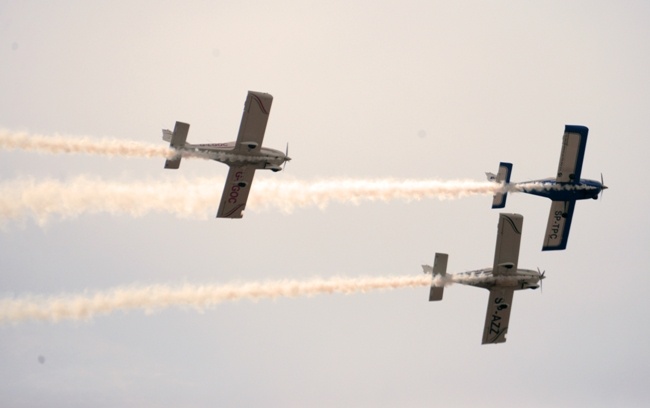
x=366 y=89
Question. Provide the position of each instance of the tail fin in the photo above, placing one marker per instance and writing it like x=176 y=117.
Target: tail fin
x=439 y=268
x=176 y=141
x=502 y=176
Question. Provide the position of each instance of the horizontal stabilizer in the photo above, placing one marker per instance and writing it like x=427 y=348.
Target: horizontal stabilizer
x=502 y=176
x=439 y=268
x=177 y=142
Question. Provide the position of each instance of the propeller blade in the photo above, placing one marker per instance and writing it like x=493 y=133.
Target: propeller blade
x=603 y=187
x=286 y=157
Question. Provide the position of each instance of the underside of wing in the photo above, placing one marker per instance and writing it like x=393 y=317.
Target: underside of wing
x=253 y=122
x=573 y=152
x=506 y=254
x=559 y=224
x=235 y=192
x=498 y=315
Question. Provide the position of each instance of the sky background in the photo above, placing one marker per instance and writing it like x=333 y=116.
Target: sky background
x=365 y=89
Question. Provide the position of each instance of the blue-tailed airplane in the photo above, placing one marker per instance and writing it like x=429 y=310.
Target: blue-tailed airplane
x=563 y=190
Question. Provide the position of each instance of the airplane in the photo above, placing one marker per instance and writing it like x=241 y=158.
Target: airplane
x=501 y=280
x=563 y=190
x=243 y=156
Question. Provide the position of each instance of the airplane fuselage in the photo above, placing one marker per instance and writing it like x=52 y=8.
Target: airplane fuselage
x=483 y=278
x=266 y=158
x=564 y=191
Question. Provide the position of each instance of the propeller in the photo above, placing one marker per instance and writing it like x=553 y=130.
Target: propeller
x=541 y=280
x=286 y=157
x=603 y=187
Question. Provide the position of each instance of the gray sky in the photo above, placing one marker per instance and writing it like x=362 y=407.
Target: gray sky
x=406 y=89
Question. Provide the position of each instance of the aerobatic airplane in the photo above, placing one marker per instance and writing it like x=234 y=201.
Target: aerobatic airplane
x=243 y=156
x=501 y=280
x=563 y=190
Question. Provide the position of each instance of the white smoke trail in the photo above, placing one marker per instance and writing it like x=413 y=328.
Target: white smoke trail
x=106 y=147
x=199 y=198
x=200 y=297
x=288 y=195
x=46 y=199
x=156 y=297
x=66 y=144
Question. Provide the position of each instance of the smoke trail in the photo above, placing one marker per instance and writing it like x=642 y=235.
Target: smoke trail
x=199 y=198
x=65 y=144
x=105 y=147
x=156 y=297
x=288 y=195
x=200 y=297
x=46 y=199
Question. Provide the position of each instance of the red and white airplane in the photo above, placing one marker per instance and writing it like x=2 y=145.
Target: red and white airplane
x=243 y=156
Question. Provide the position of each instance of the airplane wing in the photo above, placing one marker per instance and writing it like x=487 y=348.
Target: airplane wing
x=506 y=254
x=253 y=122
x=498 y=315
x=573 y=151
x=559 y=224
x=235 y=192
